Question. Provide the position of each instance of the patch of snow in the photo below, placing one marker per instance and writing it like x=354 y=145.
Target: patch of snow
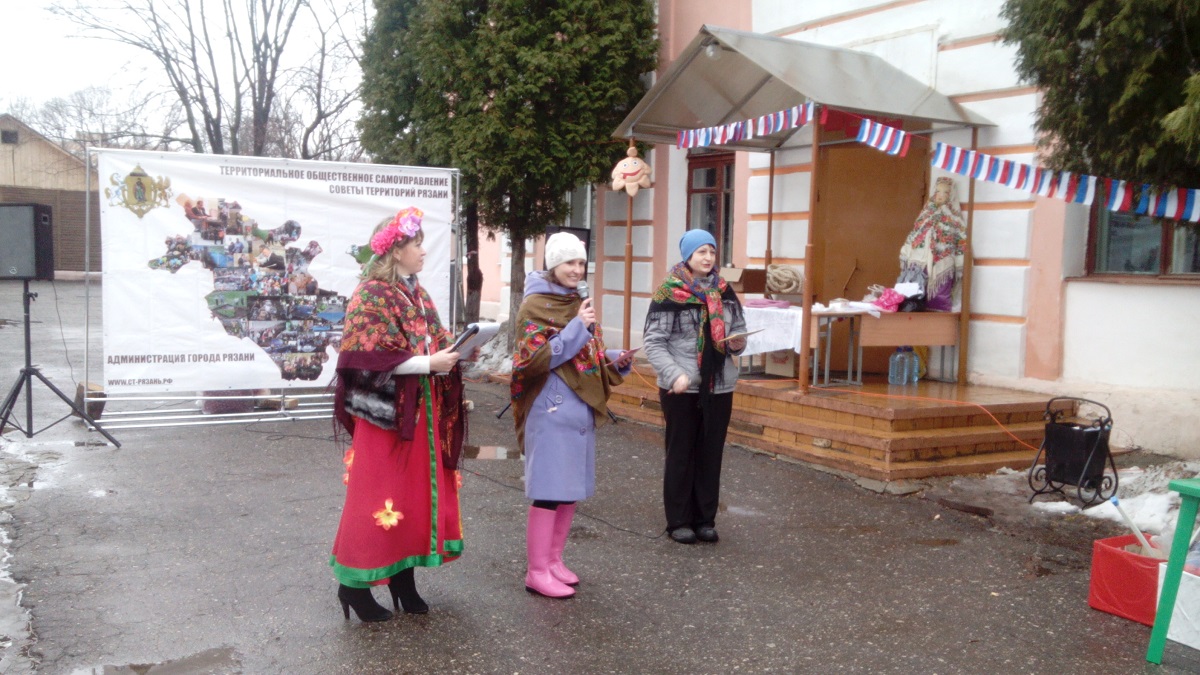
x=1056 y=507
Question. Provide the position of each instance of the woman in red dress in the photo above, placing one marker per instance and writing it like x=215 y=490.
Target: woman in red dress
x=399 y=394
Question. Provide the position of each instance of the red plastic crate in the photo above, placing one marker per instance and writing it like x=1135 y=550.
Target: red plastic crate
x=1123 y=583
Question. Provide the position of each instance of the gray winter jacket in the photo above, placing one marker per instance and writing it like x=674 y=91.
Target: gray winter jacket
x=669 y=343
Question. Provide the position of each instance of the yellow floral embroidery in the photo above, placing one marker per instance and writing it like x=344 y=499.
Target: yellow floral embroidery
x=458 y=479
x=386 y=517
x=348 y=460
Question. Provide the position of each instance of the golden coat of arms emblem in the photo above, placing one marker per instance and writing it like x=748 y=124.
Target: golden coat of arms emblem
x=138 y=192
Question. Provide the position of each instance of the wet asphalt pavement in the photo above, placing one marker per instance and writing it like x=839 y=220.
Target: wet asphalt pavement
x=207 y=548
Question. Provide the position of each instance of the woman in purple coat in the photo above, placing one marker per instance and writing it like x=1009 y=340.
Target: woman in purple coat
x=561 y=379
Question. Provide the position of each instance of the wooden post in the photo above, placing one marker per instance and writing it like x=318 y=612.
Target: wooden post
x=809 y=273
x=628 y=273
x=964 y=315
x=630 y=174
x=770 y=208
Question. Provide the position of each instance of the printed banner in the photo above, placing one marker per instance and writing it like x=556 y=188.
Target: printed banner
x=228 y=272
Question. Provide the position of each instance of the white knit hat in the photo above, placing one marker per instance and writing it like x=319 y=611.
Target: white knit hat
x=562 y=247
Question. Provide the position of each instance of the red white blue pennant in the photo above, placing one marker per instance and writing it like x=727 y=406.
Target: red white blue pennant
x=1178 y=204
x=792 y=118
x=891 y=140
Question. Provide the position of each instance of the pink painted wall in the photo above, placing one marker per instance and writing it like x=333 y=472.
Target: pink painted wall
x=494 y=272
x=1044 y=320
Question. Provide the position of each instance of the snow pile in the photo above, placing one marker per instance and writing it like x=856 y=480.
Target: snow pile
x=1145 y=496
x=495 y=357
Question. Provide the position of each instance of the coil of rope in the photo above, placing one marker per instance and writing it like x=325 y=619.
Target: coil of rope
x=784 y=279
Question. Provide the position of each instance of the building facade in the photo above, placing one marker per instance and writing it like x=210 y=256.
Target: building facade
x=1063 y=300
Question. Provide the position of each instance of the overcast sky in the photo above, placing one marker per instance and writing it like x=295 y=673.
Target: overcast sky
x=41 y=59
x=43 y=56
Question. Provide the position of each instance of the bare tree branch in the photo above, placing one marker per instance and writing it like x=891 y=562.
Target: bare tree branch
x=228 y=75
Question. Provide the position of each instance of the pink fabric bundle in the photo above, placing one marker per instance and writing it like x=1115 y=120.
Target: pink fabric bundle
x=889 y=300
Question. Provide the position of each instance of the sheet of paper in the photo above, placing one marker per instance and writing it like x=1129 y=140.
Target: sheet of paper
x=743 y=334
x=486 y=331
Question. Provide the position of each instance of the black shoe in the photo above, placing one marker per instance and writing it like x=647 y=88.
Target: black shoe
x=403 y=586
x=707 y=533
x=363 y=603
x=683 y=535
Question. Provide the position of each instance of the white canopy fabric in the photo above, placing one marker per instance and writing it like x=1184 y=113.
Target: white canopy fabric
x=727 y=75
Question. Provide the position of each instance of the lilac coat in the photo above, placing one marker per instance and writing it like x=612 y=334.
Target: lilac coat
x=560 y=431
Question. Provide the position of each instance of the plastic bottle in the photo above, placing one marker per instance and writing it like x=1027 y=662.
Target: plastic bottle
x=897 y=367
x=914 y=366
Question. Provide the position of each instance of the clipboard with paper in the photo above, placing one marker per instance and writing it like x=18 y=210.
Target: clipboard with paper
x=475 y=336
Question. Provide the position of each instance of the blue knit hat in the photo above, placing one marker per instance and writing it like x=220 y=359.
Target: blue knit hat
x=692 y=240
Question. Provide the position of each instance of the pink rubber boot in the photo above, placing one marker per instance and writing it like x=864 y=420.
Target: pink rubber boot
x=562 y=528
x=539 y=538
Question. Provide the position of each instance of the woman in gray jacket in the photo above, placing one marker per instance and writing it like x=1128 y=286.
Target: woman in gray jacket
x=686 y=341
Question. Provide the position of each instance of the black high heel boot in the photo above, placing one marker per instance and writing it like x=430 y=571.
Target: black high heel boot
x=403 y=586
x=363 y=603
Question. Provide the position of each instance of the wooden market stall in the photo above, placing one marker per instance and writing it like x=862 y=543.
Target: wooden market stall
x=861 y=204
x=728 y=75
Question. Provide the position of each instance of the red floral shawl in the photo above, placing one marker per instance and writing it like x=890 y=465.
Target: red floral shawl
x=385 y=325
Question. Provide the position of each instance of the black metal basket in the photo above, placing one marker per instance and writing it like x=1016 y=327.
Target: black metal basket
x=1076 y=454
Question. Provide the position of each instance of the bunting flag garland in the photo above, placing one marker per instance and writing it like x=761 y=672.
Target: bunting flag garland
x=722 y=134
x=1177 y=203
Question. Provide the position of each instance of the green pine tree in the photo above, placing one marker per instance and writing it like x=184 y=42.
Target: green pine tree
x=521 y=95
x=1120 y=84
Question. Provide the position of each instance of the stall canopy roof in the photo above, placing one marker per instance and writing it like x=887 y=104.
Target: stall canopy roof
x=727 y=75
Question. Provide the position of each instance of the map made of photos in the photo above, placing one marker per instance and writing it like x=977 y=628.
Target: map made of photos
x=262 y=290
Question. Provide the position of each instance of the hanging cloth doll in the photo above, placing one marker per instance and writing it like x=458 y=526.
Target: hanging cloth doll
x=932 y=255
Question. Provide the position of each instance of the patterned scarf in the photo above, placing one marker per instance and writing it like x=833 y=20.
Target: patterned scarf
x=682 y=291
x=541 y=317
x=386 y=324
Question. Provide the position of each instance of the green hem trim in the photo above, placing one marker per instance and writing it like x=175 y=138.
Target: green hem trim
x=355 y=577
x=433 y=472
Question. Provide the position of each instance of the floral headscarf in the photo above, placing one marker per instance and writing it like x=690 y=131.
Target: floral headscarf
x=682 y=290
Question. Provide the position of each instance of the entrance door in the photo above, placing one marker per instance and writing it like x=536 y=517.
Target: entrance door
x=867 y=203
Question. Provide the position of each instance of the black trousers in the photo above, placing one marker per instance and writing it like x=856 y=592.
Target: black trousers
x=695 y=440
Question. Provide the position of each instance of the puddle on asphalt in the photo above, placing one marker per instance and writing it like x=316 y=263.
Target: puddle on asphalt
x=490 y=452
x=936 y=542
x=220 y=660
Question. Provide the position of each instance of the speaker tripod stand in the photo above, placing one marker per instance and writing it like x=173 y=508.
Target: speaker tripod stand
x=25 y=381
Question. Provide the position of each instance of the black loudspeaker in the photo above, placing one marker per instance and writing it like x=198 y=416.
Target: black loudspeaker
x=26 y=242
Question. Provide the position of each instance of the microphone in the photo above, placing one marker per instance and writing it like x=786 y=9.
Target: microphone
x=582 y=290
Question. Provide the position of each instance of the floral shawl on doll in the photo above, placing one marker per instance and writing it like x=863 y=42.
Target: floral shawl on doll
x=385 y=325
x=541 y=317
x=933 y=252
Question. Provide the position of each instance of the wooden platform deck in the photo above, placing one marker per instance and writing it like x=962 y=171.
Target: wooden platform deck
x=875 y=430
